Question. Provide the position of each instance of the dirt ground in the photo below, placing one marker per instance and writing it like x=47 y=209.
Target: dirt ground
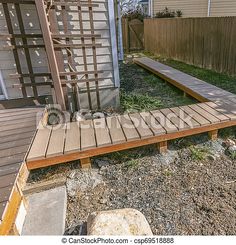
x=177 y=194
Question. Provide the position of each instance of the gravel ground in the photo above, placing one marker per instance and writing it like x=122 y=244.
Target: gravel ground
x=177 y=194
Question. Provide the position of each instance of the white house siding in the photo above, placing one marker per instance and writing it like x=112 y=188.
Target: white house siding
x=190 y=8
x=223 y=8
x=39 y=60
x=193 y=8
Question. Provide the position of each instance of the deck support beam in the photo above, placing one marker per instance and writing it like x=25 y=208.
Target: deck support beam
x=213 y=135
x=85 y=163
x=162 y=147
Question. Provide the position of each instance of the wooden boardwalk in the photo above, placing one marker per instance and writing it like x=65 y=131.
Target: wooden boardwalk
x=195 y=87
x=82 y=140
x=17 y=128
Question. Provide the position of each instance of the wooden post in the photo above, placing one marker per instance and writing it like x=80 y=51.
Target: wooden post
x=162 y=147
x=85 y=163
x=213 y=134
x=50 y=53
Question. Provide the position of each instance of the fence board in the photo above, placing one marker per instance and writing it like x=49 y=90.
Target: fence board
x=205 y=42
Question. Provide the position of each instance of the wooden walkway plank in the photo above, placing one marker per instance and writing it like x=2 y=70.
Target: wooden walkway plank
x=87 y=135
x=116 y=132
x=214 y=112
x=224 y=109
x=153 y=124
x=196 y=116
x=188 y=119
x=204 y=113
x=101 y=132
x=141 y=126
x=128 y=128
x=57 y=141
x=39 y=146
x=72 y=140
x=178 y=122
x=164 y=121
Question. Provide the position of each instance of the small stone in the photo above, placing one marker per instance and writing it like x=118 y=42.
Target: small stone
x=228 y=143
x=83 y=181
x=103 y=201
x=121 y=222
x=232 y=149
x=211 y=157
x=101 y=163
x=98 y=115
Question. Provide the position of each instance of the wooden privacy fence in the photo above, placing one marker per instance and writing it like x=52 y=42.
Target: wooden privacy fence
x=133 y=34
x=204 y=42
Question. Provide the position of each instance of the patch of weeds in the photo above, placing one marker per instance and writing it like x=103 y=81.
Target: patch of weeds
x=124 y=156
x=132 y=102
x=228 y=133
x=233 y=156
x=133 y=163
x=168 y=172
x=198 y=153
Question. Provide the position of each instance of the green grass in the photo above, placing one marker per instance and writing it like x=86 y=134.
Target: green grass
x=143 y=91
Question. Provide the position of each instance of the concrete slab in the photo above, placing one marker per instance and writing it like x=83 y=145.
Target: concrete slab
x=46 y=212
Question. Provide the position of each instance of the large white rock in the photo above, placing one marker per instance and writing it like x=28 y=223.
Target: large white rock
x=120 y=222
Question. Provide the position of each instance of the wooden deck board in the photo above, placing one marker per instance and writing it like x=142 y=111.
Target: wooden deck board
x=56 y=141
x=39 y=147
x=10 y=169
x=7 y=180
x=128 y=127
x=116 y=132
x=17 y=128
x=153 y=124
x=177 y=121
x=165 y=122
x=72 y=138
x=141 y=126
x=196 y=116
x=185 y=117
x=204 y=113
x=87 y=135
x=5 y=193
x=214 y=112
x=101 y=132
